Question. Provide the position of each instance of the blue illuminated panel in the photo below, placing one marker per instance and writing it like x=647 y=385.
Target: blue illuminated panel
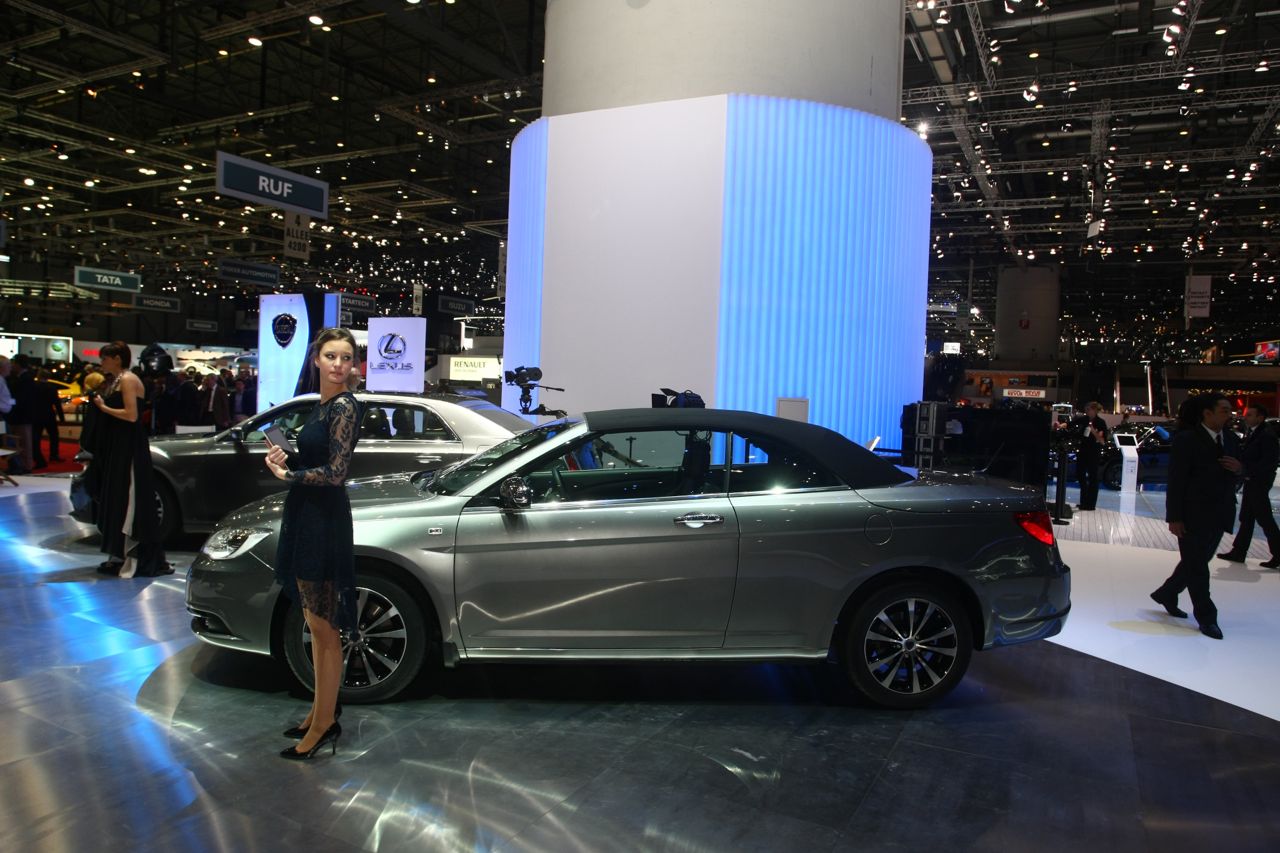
x=824 y=264
x=279 y=366
x=522 y=343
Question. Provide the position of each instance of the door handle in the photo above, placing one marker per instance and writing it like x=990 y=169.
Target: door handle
x=428 y=458
x=697 y=519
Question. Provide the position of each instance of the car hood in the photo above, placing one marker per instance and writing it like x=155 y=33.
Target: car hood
x=378 y=494
x=945 y=491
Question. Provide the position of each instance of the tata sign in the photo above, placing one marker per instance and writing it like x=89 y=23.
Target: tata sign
x=258 y=182
x=396 y=359
x=108 y=279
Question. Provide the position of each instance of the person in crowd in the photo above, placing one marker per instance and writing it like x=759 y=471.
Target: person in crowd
x=22 y=388
x=1259 y=454
x=244 y=402
x=45 y=418
x=246 y=376
x=188 y=399
x=315 y=560
x=213 y=403
x=1092 y=432
x=226 y=379
x=128 y=516
x=1200 y=505
x=164 y=404
x=6 y=406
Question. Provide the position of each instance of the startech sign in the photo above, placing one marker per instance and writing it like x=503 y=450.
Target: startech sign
x=108 y=279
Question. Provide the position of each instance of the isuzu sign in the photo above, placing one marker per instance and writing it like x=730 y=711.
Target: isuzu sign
x=397 y=354
x=108 y=279
x=263 y=184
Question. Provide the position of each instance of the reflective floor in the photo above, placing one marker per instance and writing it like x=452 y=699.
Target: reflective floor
x=119 y=732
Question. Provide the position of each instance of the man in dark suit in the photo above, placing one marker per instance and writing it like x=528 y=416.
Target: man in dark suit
x=244 y=402
x=1259 y=455
x=188 y=399
x=45 y=419
x=1204 y=467
x=1092 y=433
x=213 y=403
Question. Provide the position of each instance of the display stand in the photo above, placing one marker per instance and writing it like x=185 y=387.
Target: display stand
x=1128 y=446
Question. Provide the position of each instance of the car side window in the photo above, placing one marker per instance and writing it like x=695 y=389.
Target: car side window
x=630 y=465
x=291 y=421
x=402 y=422
x=768 y=465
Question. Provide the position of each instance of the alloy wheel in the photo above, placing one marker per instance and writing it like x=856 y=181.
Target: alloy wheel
x=910 y=646
x=375 y=650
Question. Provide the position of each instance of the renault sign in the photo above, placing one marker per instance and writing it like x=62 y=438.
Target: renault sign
x=258 y=182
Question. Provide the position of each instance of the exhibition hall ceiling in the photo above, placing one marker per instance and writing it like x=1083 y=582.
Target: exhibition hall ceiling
x=1131 y=143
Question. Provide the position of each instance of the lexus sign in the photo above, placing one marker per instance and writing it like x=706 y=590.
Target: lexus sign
x=397 y=354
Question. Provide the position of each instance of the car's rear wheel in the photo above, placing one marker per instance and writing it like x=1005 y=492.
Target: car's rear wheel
x=383 y=656
x=167 y=510
x=907 y=645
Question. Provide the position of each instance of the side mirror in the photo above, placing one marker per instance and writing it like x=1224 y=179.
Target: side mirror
x=515 y=493
x=236 y=434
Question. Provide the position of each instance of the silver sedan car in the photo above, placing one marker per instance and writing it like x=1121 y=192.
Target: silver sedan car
x=662 y=534
x=200 y=478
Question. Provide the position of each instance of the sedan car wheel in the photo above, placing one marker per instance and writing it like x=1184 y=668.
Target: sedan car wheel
x=380 y=658
x=907 y=646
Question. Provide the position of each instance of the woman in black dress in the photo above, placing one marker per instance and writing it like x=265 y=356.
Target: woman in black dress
x=315 y=559
x=127 y=513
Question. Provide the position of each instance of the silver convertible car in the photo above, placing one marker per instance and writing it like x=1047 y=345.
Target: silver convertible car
x=200 y=478
x=662 y=534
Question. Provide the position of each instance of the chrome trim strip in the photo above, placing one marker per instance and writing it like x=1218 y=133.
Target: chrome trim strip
x=772 y=493
x=596 y=504
x=648 y=654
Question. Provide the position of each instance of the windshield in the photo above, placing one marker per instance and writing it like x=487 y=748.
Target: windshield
x=498 y=415
x=453 y=479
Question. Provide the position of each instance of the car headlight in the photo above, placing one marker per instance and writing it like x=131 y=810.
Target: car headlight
x=232 y=542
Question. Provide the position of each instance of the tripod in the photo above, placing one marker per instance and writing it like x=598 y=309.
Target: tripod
x=526 y=401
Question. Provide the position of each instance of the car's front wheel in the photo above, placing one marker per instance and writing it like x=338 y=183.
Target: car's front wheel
x=383 y=656
x=907 y=645
x=167 y=511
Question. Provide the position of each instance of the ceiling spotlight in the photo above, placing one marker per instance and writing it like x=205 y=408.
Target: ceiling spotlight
x=29 y=182
x=255 y=41
x=1072 y=86
x=222 y=51
x=944 y=18
x=1220 y=31
x=1171 y=33
x=1262 y=65
x=1035 y=54
x=316 y=20
x=431 y=77
x=89 y=183
x=1180 y=8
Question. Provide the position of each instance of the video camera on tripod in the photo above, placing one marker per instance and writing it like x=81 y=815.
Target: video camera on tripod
x=526 y=379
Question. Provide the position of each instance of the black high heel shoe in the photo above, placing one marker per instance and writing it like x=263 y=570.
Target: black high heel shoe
x=330 y=737
x=298 y=732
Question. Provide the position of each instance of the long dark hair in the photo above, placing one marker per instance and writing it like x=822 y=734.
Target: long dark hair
x=1191 y=412
x=117 y=349
x=309 y=378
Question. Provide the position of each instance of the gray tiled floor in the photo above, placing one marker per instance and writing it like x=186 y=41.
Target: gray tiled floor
x=119 y=732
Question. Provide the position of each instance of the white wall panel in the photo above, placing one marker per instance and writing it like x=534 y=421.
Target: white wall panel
x=632 y=253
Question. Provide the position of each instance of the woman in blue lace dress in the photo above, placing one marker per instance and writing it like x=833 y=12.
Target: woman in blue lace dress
x=315 y=560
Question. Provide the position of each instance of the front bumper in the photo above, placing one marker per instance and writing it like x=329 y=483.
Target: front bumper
x=233 y=602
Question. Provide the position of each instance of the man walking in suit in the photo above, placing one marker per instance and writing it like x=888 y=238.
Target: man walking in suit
x=1204 y=466
x=1259 y=455
x=45 y=419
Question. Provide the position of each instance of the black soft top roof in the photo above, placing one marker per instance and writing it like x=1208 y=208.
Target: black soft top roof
x=852 y=463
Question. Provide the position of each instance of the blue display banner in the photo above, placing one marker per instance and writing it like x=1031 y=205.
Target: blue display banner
x=266 y=275
x=265 y=184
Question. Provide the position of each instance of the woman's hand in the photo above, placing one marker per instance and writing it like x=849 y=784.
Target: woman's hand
x=97 y=401
x=277 y=462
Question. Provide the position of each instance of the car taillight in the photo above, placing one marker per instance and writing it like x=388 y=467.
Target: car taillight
x=1037 y=524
